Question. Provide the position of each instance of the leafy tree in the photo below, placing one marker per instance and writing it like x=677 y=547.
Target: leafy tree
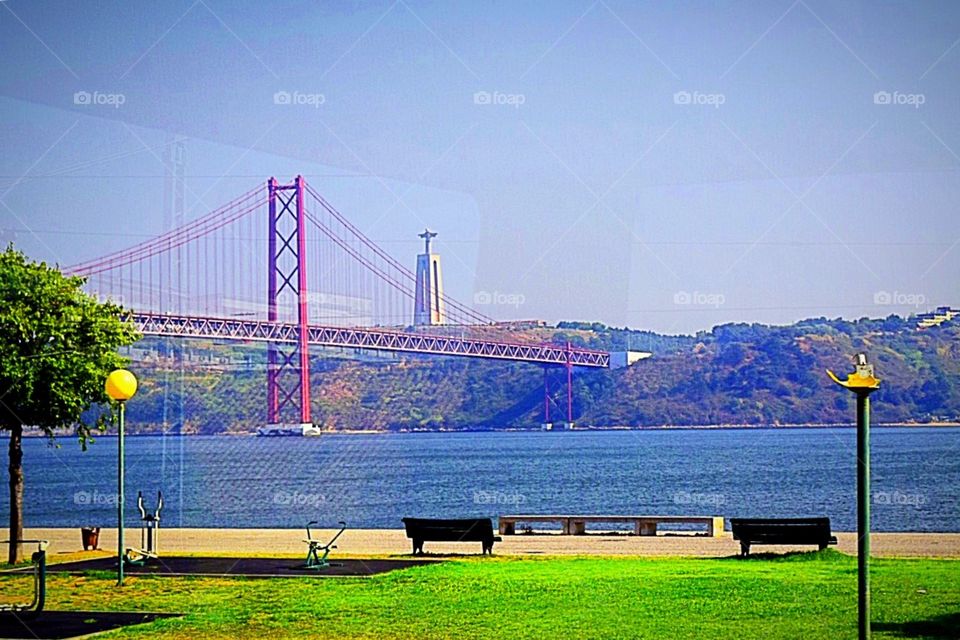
x=57 y=345
x=732 y=354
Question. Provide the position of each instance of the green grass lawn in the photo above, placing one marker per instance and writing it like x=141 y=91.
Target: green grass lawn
x=806 y=596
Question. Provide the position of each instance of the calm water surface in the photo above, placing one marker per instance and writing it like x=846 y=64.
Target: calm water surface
x=375 y=480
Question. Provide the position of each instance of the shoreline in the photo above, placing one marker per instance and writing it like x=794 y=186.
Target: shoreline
x=387 y=432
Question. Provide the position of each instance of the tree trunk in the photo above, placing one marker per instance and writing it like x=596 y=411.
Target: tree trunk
x=16 y=494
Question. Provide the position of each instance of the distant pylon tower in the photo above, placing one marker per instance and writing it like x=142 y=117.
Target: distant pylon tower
x=173 y=183
x=428 y=305
x=174 y=186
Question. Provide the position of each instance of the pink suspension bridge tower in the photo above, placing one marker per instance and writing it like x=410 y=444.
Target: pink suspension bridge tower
x=288 y=366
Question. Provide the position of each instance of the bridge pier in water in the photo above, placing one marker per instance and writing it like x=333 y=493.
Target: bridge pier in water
x=546 y=425
x=569 y=424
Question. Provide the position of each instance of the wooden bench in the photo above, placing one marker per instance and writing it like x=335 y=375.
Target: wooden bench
x=469 y=530
x=642 y=525
x=781 y=531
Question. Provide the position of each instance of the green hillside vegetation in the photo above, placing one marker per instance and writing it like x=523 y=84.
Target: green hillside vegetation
x=743 y=374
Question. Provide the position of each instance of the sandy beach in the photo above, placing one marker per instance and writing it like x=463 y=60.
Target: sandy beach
x=376 y=542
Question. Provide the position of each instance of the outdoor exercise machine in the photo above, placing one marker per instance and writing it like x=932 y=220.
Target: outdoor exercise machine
x=39 y=561
x=149 y=534
x=316 y=560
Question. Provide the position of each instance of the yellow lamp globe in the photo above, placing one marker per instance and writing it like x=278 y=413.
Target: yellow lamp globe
x=121 y=385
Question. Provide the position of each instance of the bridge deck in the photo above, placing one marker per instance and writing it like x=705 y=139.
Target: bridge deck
x=365 y=338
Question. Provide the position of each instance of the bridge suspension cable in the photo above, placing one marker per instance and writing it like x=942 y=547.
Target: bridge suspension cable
x=405 y=277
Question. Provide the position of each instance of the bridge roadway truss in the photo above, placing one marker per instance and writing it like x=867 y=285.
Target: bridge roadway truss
x=365 y=338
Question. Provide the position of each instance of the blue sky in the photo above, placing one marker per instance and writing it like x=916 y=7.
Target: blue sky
x=667 y=166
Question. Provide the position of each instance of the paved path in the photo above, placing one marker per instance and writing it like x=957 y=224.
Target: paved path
x=366 y=542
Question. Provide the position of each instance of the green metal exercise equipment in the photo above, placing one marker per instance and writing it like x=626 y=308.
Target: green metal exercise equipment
x=316 y=560
x=149 y=535
x=33 y=608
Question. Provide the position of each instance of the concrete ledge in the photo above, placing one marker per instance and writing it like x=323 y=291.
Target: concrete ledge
x=642 y=525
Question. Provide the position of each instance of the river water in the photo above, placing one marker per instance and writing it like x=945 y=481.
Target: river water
x=375 y=480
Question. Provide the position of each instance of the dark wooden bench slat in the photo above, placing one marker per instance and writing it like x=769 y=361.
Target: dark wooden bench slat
x=421 y=530
x=787 y=531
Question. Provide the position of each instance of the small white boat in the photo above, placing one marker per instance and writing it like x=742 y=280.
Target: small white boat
x=289 y=430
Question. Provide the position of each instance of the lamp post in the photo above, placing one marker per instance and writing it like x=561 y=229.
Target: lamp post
x=862 y=382
x=120 y=387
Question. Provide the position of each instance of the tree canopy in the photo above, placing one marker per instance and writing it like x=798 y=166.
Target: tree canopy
x=57 y=345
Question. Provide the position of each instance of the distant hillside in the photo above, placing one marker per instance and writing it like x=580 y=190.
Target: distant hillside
x=734 y=374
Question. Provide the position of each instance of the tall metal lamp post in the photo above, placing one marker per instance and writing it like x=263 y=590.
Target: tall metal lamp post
x=120 y=387
x=862 y=382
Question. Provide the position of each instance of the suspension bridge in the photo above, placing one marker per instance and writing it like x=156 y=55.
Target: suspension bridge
x=280 y=265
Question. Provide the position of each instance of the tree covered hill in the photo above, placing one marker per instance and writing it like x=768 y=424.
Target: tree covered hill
x=745 y=374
